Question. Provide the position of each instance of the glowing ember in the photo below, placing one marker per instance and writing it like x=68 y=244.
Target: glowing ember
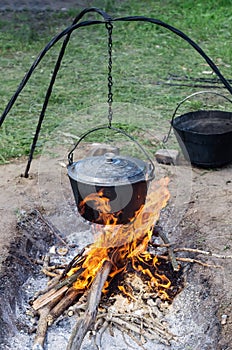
x=125 y=246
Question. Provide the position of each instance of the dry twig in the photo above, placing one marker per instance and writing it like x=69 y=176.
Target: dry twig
x=51 y=227
x=192 y=261
x=170 y=249
x=151 y=332
x=50 y=273
x=203 y=252
x=100 y=333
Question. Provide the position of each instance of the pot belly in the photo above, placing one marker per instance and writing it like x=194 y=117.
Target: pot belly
x=122 y=201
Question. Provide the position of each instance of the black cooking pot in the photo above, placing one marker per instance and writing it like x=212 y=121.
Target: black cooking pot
x=122 y=180
x=205 y=136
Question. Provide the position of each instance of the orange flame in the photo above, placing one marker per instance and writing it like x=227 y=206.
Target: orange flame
x=102 y=205
x=126 y=244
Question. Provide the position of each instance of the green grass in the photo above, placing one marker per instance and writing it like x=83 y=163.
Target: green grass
x=144 y=56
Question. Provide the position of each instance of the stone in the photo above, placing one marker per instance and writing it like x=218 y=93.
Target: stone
x=224 y=319
x=167 y=156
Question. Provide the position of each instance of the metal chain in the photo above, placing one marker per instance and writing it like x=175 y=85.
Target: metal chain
x=109 y=27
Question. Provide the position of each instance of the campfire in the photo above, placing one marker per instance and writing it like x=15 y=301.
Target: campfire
x=101 y=270
x=117 y=291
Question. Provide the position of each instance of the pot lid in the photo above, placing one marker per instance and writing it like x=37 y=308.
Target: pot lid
x=109 y=170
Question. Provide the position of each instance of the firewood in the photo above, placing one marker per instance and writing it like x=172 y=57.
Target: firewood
x=50 y=286
x=137 y=341
x=67 y=300
x=48 y=297
x=153 y=333
x=58 y=289
x=61 y=294
x=43 y=324
x=100 y=333
x=79 y=306
x=49 y=273
x=41 y=329
x=84 y=324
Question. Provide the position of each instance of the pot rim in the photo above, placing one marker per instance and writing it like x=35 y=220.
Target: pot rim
x=176 y=122
x=144 y=173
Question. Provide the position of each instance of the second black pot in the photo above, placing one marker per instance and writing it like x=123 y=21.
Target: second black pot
x=205 y=137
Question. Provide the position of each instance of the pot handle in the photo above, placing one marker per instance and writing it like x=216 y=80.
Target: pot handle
x=186 y=98
x=152 y=166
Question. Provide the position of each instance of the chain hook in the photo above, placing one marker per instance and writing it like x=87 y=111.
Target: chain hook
x=109 y=27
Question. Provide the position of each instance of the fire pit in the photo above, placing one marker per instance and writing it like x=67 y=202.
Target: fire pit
x=190 y=320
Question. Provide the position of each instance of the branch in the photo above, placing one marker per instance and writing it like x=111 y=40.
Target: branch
x=67 y=300
x=192 y=261
x=48 y=297
x=54 y=230
x=43 y=324
x=198 y=251
x=85 y=323
x=165 y=239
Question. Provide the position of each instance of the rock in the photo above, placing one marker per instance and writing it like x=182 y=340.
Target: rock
x=167 y=156
x=224 y=319
x=52 y=250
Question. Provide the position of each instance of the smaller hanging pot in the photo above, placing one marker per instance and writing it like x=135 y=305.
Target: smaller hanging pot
x=109 y=189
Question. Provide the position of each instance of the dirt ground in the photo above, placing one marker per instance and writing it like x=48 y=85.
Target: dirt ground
x=203 y=214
